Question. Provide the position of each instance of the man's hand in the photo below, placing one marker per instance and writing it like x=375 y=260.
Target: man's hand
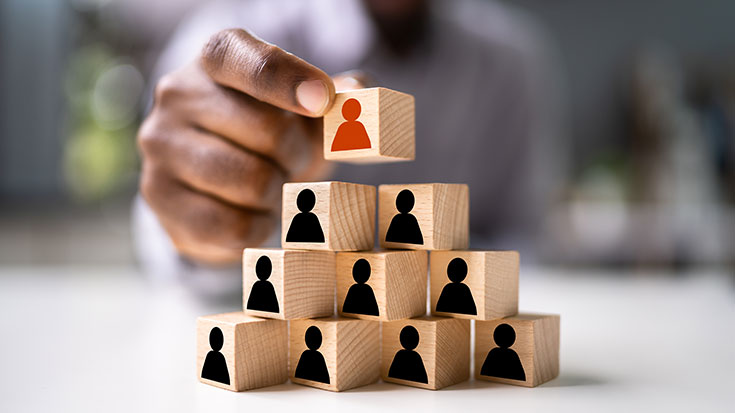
x=223 y=136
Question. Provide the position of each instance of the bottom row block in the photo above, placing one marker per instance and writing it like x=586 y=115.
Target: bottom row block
x=238 y=352
x=426 y=352
x=334 y=353
x=521 y=350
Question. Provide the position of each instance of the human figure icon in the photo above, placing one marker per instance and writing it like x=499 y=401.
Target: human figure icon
x=263 y=295
x=456 y=297
x=351 y=134
x=407 y=363
x=305 y=225
x=360 y=298
x=312 y=365
x=215 y=365
x=502 y=361
x=404 y=227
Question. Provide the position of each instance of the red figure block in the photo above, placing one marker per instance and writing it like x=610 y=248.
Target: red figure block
x=351 y=134
x=370 y=126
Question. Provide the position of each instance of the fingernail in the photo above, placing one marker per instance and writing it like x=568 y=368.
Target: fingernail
x=313 y=96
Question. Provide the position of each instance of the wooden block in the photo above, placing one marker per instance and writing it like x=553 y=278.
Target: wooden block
x=480 y=285
x=335 y=216
x=237 y=352
x=426 y=352
x=521 y=350
x=369 y=126
x=334 y=353
x=388 y=285
x=424 y=216
x=288 y=284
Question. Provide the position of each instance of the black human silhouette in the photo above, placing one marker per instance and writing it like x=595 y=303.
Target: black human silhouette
x=311 y=363
x=407 y=364
x=404 y=227
x=215 y=365
x=305 y=225
x=263 y=295
x=502 y=361
x=456 y=297
x=360 y=298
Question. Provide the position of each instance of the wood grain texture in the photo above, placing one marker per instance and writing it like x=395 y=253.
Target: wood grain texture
x=397 y=278
x=351 y=349
x=304 y=282
x=442 y=211
x=444 y=347
x=536 y=343
x=255 y=349
x=492 y=277
x=388 y=117
x=346 y=213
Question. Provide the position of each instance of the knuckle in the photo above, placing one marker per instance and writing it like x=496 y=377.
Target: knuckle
x=167 y=88
x=218 y=48
x=151 y=140
x=266 y=63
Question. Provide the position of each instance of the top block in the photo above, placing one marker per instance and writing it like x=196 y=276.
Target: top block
x=370 y=126
x=332 y=216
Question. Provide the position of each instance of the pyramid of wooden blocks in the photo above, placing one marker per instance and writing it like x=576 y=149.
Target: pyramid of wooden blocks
x=369 y=126
x=327 y=236
x=521 y=350
x=334 y=353
x=387 y=285
x=237 y=352
x=288 y=284
x=424 y=216
x=333 y=216
x=480 y=285
x=426 y=352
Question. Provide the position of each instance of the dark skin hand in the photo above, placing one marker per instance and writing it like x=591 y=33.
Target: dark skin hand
x=229 y=129
x=223 y=136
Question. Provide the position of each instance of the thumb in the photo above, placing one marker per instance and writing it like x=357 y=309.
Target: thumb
x=235 y=58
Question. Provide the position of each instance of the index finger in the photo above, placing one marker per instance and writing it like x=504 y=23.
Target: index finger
x=239 y=60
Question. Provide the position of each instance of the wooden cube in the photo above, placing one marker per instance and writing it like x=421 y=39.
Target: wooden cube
x=238 y=352
x=334 y=353
x=424 y=216
x=369 y=126
x=288 y=284
x=480 y=285
x=521 y=350
x=334 y=216
x=426 y=352
x=387 y=285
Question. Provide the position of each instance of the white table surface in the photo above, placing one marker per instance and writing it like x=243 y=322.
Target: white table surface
x=104 y=339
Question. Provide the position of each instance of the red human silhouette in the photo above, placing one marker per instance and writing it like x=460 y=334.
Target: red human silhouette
x=351 y=134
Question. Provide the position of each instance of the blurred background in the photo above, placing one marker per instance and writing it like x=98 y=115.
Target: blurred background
x=650 y=89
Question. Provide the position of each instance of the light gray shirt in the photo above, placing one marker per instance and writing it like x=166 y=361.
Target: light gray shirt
x=487 y=108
